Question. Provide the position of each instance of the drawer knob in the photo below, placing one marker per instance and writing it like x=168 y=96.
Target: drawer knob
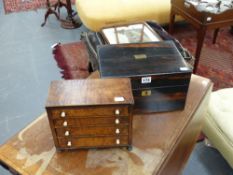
x=117 y=112
x=67 y=133
x=208 y=19
x=118 y=141
x=117 y=131
x=117 y=121
x=63 y=114
x=69 y=143
x=65 y=123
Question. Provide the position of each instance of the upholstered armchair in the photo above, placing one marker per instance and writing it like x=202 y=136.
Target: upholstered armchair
x=218 y=125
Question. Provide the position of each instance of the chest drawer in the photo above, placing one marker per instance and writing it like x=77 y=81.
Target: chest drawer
x=90 y=113
x=57 y=113
x=92 y=131
x=93 y=142
x=94 y=121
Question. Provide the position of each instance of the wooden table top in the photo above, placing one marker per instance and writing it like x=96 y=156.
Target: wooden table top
x=32 y=151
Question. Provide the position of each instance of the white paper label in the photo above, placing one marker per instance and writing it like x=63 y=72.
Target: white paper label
x=119 y=99
x=146 y=80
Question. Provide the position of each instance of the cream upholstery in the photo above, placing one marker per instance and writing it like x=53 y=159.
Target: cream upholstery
x=218 y=125
x=98 y=14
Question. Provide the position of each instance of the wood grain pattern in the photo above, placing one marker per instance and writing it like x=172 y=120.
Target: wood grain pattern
x=88 y=92
x=160 y=99
x=85 y=122
x=93 y=142
x=162 y=143
x=161 y=58
x=168 y=73
x=92 y=131
x=78 y=121
x=168 y=80
x=90 y=111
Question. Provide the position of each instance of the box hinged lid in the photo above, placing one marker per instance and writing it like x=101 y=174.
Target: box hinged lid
x=141 y=59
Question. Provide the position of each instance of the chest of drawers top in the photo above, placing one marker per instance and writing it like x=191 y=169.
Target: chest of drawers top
x=89 y=92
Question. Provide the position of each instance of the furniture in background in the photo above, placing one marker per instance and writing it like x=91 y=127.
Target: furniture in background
x=162 y=143
x=218 y=122
x=70 y=22
x=95 y=15
x=50 y=11
x=201 y=20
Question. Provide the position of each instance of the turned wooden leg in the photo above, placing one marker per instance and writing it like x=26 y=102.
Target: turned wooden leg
x=46 y=17
x=49 y=11
x=215 y=35
x=200 y=38
x=59 y=5
x=172 y=20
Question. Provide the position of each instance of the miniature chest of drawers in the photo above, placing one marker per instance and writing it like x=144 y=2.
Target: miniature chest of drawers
x=159 y=75
x=95 y=113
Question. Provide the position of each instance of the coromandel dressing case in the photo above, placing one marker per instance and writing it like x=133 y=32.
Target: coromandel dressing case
x=159 y=74
x=95 y=113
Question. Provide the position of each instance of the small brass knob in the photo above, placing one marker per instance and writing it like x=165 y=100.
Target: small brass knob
x=69 y=143
x=65 y=123
x=117 y=131
x=117 y=121
x=63 y=114
x=117 y=112
x=67 y=133
x=118 y=141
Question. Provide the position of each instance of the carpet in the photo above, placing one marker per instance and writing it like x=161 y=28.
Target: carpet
x=11 y=6
x=72 y=59
x=216 y=61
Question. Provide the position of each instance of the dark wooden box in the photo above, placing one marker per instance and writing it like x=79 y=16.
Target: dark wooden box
x=159 y=74
x=93 y=113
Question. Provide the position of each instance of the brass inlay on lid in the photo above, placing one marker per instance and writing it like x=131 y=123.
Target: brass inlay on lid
x=140 y=56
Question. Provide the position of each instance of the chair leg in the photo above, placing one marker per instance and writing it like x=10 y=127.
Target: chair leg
x=200 y=39
x=172 y=20
x=59 y=5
